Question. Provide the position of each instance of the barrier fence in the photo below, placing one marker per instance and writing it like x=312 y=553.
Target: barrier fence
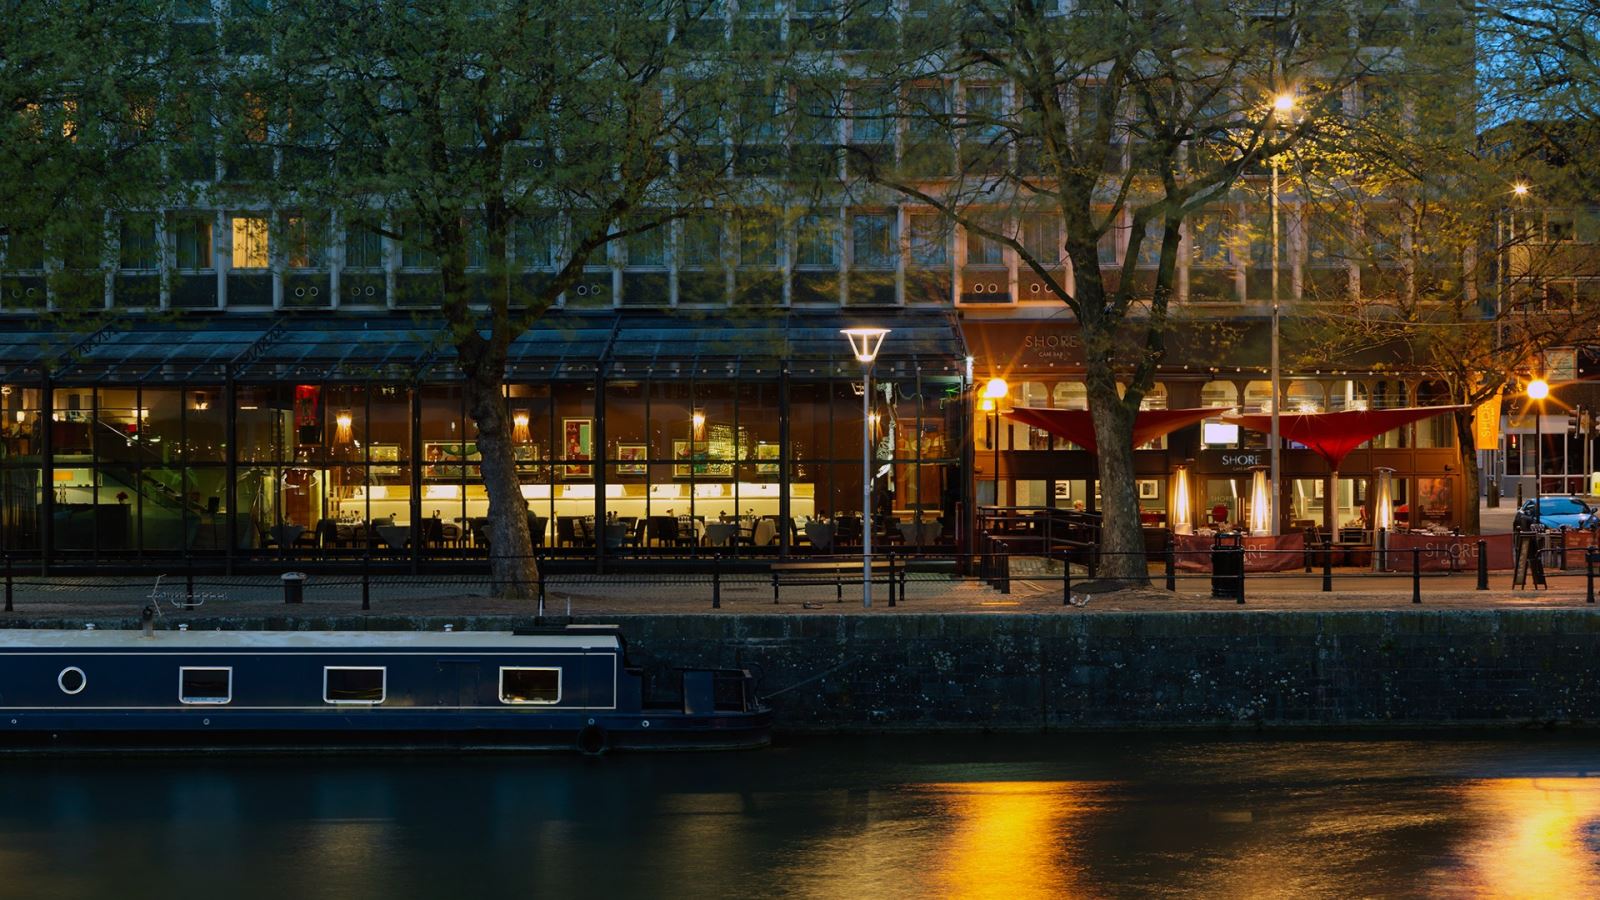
x=1231 y=564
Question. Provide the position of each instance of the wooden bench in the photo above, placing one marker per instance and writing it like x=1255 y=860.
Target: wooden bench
x=837 y=573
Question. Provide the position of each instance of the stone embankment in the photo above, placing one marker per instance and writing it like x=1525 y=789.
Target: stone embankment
x=1019 y=671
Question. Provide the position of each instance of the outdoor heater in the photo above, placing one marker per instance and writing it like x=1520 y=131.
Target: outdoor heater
x=864 y=343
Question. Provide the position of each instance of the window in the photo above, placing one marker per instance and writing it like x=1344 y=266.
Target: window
x=648 y=249
x=985 y=113
x=205 y=684
x=477 y=242
x=985 y=251
x=72 y=680
x=1041 y=237
x=250 y=243
x=1150 y=246
x=307 y=240
x=529 y=685
x=414 y=252
x=137 y=247
x=872 y=241
x=817 y=244
x=871 y=118
x=193 y=238
x=363 y=248
x=702 y=241
x=364 y=685
x=533 y=242
x=1209 y=234
x=930 y=239
x=758 y=240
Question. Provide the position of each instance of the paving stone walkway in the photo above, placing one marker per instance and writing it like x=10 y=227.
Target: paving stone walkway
x=65 y=600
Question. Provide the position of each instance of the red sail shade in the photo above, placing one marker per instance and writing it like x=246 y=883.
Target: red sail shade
x=1332 y=435
x=1076 y=426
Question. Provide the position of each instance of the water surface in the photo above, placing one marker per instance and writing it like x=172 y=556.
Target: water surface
x=982 y=816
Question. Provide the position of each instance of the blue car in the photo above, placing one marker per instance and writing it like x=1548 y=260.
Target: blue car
x=1555 y=512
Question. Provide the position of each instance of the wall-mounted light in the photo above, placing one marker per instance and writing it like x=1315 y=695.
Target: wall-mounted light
x=519 y=427
x=201 y=401
x=699 y=422
x=342 y=421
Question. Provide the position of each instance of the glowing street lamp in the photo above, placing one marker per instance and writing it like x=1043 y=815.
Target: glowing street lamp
x=1538 y=389
x=1282 y=108
x=865 y=343
x=993 y=392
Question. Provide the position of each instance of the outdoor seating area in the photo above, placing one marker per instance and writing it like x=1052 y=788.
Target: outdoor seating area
x=577 y=536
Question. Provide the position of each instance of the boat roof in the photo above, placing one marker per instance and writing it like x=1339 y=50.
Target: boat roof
x=171 y=639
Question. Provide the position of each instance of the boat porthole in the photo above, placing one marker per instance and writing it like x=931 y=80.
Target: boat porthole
x=647 y=723
x=591 y=721
x=205 y=721
x=72 y=680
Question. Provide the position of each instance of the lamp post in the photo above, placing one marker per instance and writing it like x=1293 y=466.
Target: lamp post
x=1282 y=107
x=1538 y=389
x=994 y=391
x=864 y=343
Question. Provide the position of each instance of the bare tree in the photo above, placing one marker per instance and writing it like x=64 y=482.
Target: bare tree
x=1122 y=121
x=465 y=128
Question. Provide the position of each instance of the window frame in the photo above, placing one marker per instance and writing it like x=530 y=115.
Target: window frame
x=501 y=687
x=383 y=685
x=206 y=701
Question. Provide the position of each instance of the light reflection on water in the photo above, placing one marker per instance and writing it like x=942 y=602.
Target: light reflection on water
x=1005 y=817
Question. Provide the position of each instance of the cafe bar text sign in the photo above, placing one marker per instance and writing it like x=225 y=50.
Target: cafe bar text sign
x=1232 y=460
x=1056 y=347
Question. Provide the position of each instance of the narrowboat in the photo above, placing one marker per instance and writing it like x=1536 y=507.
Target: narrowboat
x=545 y=688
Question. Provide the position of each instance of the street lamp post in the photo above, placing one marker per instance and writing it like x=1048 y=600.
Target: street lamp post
x=1538 y=389
x=1282 y=107
x=994 y=391
x=864 y=343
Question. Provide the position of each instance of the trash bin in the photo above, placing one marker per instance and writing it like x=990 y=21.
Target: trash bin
x=294 y=587
x=1227 y=563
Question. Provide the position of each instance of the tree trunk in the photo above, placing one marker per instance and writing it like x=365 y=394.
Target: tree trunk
x=1467 y=440
x=1121 y=534
x=513 y=570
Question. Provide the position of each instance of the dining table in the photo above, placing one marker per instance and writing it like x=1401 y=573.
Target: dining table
x=721 y=534
x=820 y=534
x=396 y=536
x=286 y=535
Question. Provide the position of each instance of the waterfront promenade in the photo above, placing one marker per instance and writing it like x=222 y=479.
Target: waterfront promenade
x=66 y=600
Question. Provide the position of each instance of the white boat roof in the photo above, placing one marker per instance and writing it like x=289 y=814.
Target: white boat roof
x=172 y=639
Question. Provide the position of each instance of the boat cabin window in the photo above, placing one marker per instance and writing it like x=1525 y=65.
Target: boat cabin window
x=527 y=685
x=72 y=680
x=203 y=684
x=354 y=684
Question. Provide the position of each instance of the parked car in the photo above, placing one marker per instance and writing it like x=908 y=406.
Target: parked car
x=1554 y=512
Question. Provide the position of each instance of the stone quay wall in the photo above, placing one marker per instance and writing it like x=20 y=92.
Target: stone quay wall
x=1140 y=670
x=1106 y=670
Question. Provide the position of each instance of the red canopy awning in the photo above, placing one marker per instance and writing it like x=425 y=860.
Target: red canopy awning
x=1332 y=435
x=1076 y=426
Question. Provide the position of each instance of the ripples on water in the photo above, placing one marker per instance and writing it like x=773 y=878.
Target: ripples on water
x=1007 y=817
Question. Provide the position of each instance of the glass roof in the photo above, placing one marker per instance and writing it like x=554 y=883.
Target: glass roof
x=560 y=345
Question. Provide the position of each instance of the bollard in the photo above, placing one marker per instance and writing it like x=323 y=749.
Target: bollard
x=716 y=580
x=1327 y=566
x=1066 y=579
x=1588 y=566
x=538 y=614
x=1172 y=568
x=1240 y=551
x=294 y=587
x=9 y=607
x=1561 y=555
x=366 y=580
x=1416 y=574
x=1483 y=565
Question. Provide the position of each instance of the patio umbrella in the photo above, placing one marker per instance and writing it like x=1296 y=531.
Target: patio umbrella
x=1076 y=426
x=1332 y=435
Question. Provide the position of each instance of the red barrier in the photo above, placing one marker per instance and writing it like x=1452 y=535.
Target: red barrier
x=1193 y=552
x=1449 y=552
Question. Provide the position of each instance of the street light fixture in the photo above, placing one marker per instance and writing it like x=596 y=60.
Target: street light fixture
x=1538 y=389
x=995 y=390
x=865 y=343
